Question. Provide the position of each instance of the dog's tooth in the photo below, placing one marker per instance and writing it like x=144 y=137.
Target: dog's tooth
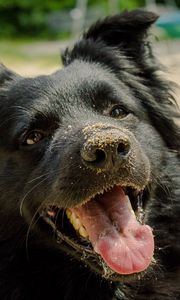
x=76 y=223
x=68 y=213
x=73 y=216
x=83 y=232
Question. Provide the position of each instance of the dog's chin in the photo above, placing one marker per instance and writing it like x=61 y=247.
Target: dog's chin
x=106 y=232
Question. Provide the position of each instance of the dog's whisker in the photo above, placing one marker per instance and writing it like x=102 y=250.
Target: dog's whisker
x=47 y=175
x=28 y=192
x=33 y=222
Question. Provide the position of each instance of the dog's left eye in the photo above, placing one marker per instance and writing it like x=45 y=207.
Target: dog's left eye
x=118 y=112
x=34 y=137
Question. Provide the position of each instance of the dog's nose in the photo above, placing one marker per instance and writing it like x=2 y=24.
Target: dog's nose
x=105 y=150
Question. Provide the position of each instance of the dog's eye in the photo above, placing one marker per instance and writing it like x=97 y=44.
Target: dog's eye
x=34 y=137
x=118 y=112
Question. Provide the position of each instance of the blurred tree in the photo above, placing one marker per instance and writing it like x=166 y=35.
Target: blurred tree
x=30 y=17
x=24 y=17
x=130 y=4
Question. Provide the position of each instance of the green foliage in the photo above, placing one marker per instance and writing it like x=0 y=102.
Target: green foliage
x=24 y=17
x=41 y=4
x=130 y=4
x=30 y=17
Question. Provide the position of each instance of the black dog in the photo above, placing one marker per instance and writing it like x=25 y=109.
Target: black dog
x=90 y=175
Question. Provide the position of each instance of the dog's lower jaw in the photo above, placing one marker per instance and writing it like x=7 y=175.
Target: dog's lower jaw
x=82 y=248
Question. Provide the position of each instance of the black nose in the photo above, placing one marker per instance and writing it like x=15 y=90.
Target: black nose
x=105 y=150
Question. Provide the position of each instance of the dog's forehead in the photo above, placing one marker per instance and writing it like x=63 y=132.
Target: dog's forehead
x=81 y=81
x=79 y=84
x=79 y=71
x=65 y=83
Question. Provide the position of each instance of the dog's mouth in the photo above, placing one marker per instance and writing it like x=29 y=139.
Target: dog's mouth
x=107 y=232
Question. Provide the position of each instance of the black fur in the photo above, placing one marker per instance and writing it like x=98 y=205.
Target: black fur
x=111 y=64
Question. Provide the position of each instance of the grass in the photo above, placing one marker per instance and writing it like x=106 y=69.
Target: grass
x=24 y=57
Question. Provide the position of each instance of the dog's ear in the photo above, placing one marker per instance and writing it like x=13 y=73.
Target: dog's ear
x=126 y=28
x=7 y=75
x=126 y=31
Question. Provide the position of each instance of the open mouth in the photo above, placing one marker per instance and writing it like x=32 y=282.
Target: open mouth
x=108 y=230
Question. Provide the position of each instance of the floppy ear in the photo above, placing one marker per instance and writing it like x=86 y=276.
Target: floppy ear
x=127 y=29
x=6 y=75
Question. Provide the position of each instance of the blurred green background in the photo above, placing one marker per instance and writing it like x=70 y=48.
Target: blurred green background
x=40 y=18
x=32 y=32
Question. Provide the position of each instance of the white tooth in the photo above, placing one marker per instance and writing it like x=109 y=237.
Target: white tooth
x=83 y=232
x=72 y=217
x=69 y=213
x=76 y=223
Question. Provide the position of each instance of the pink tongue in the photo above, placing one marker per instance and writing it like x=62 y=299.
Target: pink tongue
x=125 y=245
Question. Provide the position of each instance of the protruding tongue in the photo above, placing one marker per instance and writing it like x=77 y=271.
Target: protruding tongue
x=125 y=245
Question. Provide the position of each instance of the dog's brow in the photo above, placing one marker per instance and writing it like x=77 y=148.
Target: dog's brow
x=103 y=93
x=45 y=118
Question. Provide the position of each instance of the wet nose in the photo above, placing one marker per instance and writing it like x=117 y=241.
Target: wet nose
x=105 y=151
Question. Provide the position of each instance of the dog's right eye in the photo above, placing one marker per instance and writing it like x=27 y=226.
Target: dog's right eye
x=118 y=112
x=33 y=137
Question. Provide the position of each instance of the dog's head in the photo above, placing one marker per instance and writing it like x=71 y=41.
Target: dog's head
x=80 y=148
